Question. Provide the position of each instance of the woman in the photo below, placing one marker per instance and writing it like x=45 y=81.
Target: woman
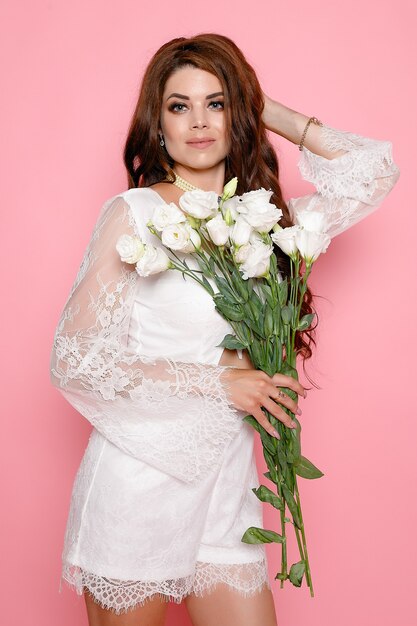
x=164 y=494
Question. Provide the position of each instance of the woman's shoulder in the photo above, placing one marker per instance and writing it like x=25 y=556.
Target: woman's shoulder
x=141 y=202
x=139 y=195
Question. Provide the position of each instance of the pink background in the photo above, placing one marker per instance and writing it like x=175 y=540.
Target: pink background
x=70 y=82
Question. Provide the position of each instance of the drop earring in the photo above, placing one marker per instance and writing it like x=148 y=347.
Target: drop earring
x=161 y=141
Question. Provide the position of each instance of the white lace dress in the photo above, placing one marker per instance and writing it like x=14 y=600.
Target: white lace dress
x=163 y=493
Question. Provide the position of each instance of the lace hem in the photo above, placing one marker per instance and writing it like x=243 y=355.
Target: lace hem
x=120 y=596
x=355 y=173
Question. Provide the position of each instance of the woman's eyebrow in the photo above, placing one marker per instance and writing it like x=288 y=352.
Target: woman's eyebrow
x=179 y=95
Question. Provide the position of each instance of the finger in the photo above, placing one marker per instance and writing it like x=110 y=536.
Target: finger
x=273 y=408
x=282 y=398
x=261 y=418
x=281 y=380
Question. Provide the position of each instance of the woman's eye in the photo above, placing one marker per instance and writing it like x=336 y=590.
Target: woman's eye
x=175 y=107
x=219 y=104
x=180 y=106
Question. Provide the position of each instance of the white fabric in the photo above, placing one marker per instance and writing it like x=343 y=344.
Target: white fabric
x=163 y=493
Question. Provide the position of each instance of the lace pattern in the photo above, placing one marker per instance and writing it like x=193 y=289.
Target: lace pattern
x=122 y=596
x=351 y=186
x=173 y=415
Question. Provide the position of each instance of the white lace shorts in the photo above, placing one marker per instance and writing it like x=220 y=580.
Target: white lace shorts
x=134 y=531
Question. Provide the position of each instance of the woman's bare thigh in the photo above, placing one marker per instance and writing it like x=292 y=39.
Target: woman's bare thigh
x=226 y=607
x=152 y=613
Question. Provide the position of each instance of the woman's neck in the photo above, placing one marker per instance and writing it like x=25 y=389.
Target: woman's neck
x=208 y=180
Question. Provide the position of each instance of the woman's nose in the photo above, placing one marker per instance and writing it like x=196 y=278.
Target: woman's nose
x=199 y=123
x=199 y=119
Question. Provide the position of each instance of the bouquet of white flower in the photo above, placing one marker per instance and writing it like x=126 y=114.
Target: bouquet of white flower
x=231 y=239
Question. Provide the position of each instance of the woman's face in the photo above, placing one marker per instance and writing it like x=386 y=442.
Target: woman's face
x=193 y=121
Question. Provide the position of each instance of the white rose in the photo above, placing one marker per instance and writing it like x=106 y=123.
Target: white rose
x=199 y=204
x=313 y=221
x=180 y=237
x=153 y=261
x=241 y=253
x=218 y=230
x=194 y=241
x=285 y=239
x=257 y=261
x=130 y=248
x=258 y=211
x=240 y=232
x=166 y=214
x=311 y=244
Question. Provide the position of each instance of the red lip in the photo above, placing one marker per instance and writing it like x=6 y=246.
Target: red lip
x=201 y=140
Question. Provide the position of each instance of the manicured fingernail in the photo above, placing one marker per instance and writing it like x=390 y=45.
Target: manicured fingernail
x=299 y=411
x=293 y=424
x=274 y=432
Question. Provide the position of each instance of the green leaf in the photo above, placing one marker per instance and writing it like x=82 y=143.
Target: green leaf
x=277 y=351
x=297 y=571
x=292 y=505
x=286 y=314
x=225 y=290
x=268 y=321
x=268 y=441
x=231 y=342
x=267 y=291
x=260 y=535
x=240 y=285
x=276 y=317
x=245 y=333
x=281 y=576
x=268 y=476
x=207 y=284
x=266 y=495
x=270 y=464
x=249 y=419
x=282 y=458
x=256 y=354
x=283 y=292
x=295 y=443
x=234 y=313
x=305 y=468
x=254 y=325
x=305 y=321
x=289 y=370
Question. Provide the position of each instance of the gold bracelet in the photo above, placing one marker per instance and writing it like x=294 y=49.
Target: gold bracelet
x=315 y=121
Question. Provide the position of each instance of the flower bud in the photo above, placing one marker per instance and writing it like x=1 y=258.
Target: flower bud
x=229 y=189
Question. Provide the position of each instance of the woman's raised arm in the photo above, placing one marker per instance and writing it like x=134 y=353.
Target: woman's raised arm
x=352 y=174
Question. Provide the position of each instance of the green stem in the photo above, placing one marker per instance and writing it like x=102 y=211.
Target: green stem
x=181 y=268
x=306 y=560
x=283 y=530
x=303 y=289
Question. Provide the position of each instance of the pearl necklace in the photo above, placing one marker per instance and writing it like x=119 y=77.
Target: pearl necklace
x=183 y=184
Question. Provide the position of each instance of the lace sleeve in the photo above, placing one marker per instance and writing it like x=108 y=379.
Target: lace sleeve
x=350 y=186
x=175 y=416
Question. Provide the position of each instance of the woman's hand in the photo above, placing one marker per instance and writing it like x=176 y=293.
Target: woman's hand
x=250 y=389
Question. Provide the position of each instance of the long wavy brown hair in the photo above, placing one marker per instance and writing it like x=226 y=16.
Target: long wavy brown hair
x=252 y=158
